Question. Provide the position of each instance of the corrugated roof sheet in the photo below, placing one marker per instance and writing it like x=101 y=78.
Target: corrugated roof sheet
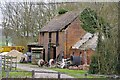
x=90 y=44
x=89 y=41
x=60 y=22
x=83 y=40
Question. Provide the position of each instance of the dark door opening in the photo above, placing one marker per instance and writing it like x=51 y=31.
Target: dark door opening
x=53 y=53
x=44 y=54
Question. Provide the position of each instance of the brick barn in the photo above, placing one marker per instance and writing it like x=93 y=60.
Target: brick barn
x=60 y=35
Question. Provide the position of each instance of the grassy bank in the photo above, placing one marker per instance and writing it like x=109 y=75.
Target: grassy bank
x=76 y=73
x=17 y=74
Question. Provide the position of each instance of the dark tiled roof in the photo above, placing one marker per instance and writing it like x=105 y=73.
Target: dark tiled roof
x=60 y=22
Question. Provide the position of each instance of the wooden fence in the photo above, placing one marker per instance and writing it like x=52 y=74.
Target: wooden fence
x=106 y=77
x=33 y=73
x=9 y=62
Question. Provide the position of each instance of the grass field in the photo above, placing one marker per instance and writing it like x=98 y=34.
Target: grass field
x=17 y=74
x=76 y=73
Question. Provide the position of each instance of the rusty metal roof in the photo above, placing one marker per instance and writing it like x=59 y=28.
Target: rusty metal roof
x=60 y=22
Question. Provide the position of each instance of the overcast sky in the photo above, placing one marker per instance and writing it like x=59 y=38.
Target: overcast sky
x=3 y=1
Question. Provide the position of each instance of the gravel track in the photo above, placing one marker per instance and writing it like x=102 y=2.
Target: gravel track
x=29 y=67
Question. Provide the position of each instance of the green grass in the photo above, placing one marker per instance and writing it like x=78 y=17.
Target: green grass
x=76 y=73
x=25 y=63
x=17 y=74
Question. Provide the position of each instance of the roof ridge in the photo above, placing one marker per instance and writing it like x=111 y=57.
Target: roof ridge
x=59 y=22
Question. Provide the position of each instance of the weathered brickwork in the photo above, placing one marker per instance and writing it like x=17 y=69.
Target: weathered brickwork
x=73 y=34
x=89 y=53
x=66 y=39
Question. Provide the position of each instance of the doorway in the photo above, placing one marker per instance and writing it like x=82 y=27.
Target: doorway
x=53 y=53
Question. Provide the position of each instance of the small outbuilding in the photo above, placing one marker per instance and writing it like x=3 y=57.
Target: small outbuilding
x=85 y=47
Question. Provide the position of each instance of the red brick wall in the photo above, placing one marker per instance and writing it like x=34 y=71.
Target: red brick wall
x=44 y=40
x=89 y=53
x=73 y=34
x=60 y=48
x=67 y=38
x=53 y=40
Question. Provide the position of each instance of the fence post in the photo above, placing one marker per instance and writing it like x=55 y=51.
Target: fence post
x=33 y=73
x=86 y=75
x=4 y=61
x=10 y=63
x=7 y=73
x=16 y=64
x=7 y=59
x=58 y=75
